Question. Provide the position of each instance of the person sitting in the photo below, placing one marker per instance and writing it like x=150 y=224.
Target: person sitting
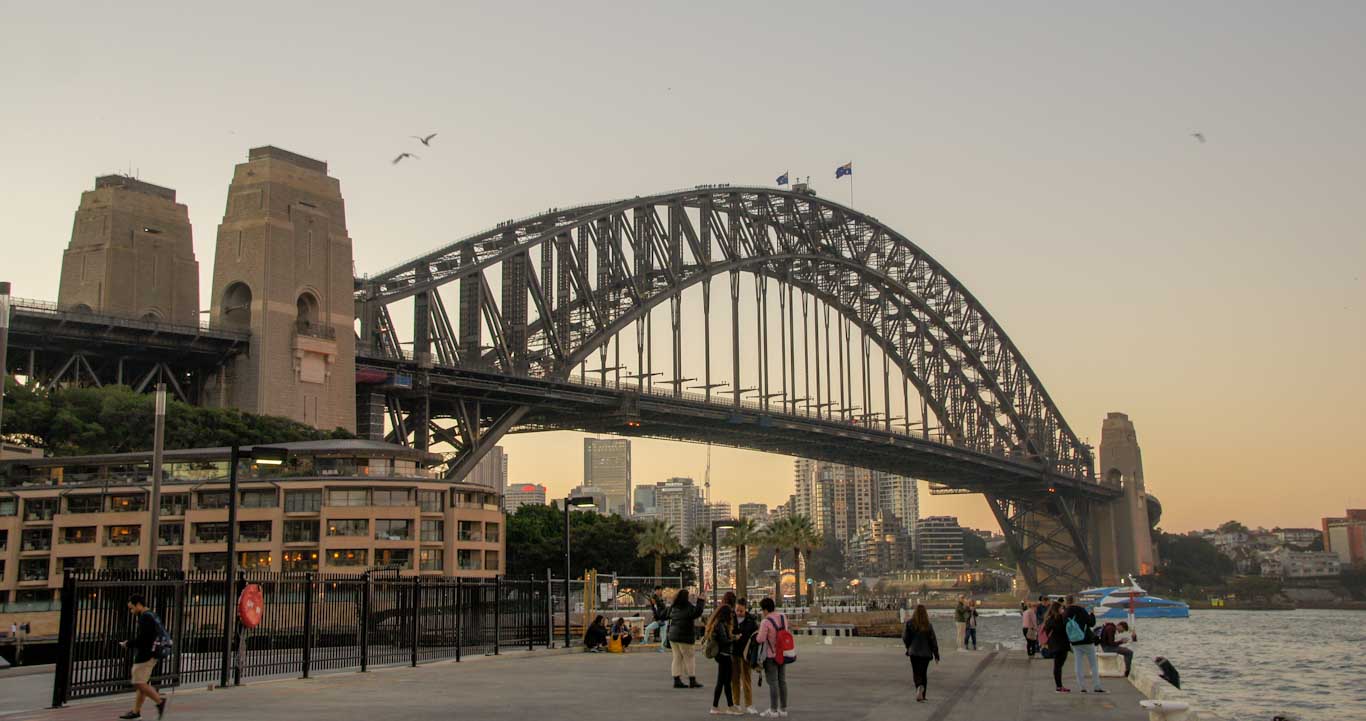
x=595 y=636
x=1169 y=673
x=1112 y=640
x=621 y=631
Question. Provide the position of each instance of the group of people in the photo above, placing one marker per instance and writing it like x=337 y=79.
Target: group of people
x=597 y=638
x=965 y=617
x=1056 y=628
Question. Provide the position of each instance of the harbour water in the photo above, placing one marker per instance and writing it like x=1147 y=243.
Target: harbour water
x=1247 y=665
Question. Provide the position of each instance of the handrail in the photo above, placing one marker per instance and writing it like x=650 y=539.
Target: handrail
x=33 y=305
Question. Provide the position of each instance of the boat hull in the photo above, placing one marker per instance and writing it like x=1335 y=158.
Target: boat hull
x=1114 y=613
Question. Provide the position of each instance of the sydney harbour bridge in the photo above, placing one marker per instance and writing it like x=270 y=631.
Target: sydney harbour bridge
x=759 y=318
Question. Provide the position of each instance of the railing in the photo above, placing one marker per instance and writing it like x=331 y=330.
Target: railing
x=46 y=307
x=312 y=621
x=315 y=330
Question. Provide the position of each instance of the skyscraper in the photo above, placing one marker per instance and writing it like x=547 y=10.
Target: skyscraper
x=492 y=469
x=523 y=494
x=900 y=497
x=939 y=544
x=757 y=511
x=679 y=503
x=607 y=465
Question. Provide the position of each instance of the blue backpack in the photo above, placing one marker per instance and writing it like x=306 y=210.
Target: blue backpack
x=1074 y=632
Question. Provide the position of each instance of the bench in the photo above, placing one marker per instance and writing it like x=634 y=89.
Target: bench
x=1111 y=664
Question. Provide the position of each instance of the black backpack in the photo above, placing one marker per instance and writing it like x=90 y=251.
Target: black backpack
x=163 y=646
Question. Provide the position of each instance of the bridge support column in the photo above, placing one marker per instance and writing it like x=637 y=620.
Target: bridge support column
x=1049 y=539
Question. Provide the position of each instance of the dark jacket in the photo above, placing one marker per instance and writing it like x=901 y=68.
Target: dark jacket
x=1057 y=633
x=144 y=637
x=660 y=609
x=745 y=628
x=920 y=644
x=1086 y=621
x=683 y=622
x=725 y=640
x=595 y=636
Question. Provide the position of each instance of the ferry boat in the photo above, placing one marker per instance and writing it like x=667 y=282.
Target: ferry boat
x=1112 y=603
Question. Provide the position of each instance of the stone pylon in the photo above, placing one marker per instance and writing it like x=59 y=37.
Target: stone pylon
x=1121 y=466
x=282 y=269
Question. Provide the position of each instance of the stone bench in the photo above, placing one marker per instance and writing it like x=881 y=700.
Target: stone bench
x=1111 y=664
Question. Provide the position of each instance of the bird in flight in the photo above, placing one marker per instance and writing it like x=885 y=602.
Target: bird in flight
x=1198 y=136
x=401 y=156
x=425 y=141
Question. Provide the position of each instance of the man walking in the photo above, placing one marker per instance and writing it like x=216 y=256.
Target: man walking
x=143 y=643
x=960 y=620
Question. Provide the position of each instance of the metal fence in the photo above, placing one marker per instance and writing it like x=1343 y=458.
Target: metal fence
x=312 y=622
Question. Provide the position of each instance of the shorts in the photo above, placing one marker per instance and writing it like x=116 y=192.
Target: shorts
x=142 y=672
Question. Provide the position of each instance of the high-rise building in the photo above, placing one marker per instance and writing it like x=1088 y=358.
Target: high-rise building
x=1346 y=536
x=757 y=511
x=679 y=503
x=492 y=469
x=804 y=488
x=607 y=465
x=282 y=269
x=601 y=499
x=900 y=497
x=645 y=503
x=718 y=511
x=131 y=254
x=523 y=494
x=939 y=544
x=880 y=545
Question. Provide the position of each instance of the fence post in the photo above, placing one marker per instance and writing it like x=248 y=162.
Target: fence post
x=549 y=610
x=238 y=653
x=365 y=623
x=61 y=683
x=497 y=613
x=178 y=638
x=417 y=613
x=309 y=592
x=459 y=617
x=527 y=604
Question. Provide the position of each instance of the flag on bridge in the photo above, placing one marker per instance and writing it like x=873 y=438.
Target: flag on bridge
x=843 y=170
x=782 y=179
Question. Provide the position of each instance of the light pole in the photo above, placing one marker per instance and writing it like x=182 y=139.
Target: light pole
x=264 y=456
x=571 y=502
x=4 y=348
x=158 y=448
x=716 y=526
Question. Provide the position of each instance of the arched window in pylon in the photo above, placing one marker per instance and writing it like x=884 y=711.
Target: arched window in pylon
x=307 y=317
x=236 y=311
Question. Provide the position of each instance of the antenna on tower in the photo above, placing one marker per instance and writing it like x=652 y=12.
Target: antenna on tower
x=706 y=478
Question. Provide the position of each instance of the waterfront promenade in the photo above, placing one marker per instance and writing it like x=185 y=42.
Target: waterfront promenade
x=854 y=679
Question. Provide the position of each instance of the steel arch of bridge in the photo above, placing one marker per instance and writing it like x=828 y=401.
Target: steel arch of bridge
x=592 y=272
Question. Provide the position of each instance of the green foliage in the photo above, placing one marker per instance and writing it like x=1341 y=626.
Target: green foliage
x=657 y=539
x=1232 y=527
x=827 y=561
x=114 y=419
x=1190 y=564
x=610 y=544
x=974 y=546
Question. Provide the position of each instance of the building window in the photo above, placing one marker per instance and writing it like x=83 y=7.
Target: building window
x=431 y=501
x=348 y=496
x=393 y=530
x=211 y=500
x=9 y=506
x=259 y=498
x=401 y=558
x=210 y=532
x=471 y=531
x=128 y=504
x=122 y=535
x=470 y=560
x=33 y=569
x=348 y=527
x=433 y=530
x=78 y=563
x=301 y=531
x=210 y=561
x=169 y=561
x=491 y=531
x=39 y=509
x=490 y=560
x=430 y=559
x=303 y=501
x=78 y=534
x=36 y=539
x=33 y=595
x=253 y=531
x=84 y=504
x=4 y=542
x=392 y=497
x=121 y=563
x=301 y=560
x=174 y=504
x=171 y=534
x=254 y=560
x=342 y=557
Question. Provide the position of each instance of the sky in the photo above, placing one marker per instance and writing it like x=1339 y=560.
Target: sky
x=1042 y=152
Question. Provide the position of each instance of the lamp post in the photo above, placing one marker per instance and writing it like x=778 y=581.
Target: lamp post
x=158 y=450
x=716 y=526
x=571 y=502
x=4 y=347
x=263 y=456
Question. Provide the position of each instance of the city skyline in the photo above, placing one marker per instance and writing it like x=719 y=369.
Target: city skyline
x=1139 y=271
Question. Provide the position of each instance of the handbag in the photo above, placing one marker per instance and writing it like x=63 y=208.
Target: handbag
x=711 y=647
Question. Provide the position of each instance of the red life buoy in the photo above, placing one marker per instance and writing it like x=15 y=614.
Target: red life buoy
x=250 y=606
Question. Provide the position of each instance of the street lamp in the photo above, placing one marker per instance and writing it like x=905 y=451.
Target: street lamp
x=716 y=526
x=580 y=502
x=263 y=456
x=4 y=344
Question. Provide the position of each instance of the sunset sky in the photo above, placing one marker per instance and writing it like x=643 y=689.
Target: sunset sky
x=1043 y=154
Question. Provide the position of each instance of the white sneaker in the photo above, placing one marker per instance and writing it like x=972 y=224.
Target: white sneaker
x=782 y=713
x=768 y=713
x=735 y=711
x=752 y=711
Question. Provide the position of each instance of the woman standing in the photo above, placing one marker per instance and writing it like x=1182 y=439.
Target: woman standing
x=1029 y=622
x=720 y=635
x=1055 y=623
x=683 y=617
x=960 y=622
x=921 y=646
x=775 y=673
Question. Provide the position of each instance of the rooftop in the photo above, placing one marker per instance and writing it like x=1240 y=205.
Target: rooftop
x=137 y=186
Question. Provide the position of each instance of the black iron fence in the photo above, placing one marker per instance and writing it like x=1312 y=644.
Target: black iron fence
x=311 y=622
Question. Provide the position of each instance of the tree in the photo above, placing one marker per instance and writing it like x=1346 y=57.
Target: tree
x=827 y=560
x=699 y=537
x=805 y=539
x=609 y=543
x=974 y=547
x=741 y=536
x=657 y=539
x=1232 y=527
x=779 y=534
x=1190 y=563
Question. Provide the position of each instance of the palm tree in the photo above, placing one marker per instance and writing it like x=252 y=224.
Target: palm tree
x=699 y=537
x=803 y=538
x=658 y=539
x=741 y=536
x=778 y=534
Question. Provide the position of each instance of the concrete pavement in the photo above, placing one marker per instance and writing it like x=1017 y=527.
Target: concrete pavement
x=852 y=679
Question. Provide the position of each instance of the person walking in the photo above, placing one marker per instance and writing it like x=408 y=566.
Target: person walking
x=960 y=621
x=921 y=646
x=683 y=615
x=971 y=634
x=1030 y=626
x=774 y=671
x=1083 y=649
x=1055 y=624
x=720 y=645
x=742 y=680
x=143 y=643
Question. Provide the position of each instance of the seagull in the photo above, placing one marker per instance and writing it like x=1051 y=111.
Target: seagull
x=401 y=156
x=1198 y=136
x=425 y=141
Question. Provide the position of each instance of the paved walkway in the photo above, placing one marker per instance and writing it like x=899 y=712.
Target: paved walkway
x=854 y=679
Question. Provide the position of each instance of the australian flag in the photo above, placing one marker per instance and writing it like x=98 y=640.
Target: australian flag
x=782 y=179
x=843 y=170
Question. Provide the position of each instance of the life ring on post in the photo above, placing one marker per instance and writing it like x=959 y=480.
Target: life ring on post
x=250 y=606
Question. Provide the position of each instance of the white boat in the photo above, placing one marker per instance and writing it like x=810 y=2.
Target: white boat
x=1113 y=603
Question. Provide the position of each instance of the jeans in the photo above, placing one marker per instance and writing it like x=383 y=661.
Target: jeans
x=1031 y=647
x=776 y=674
x=1086 y=652
x=971 y=635
x=741 y=682
x=723 y=671
x=1059 y=658
x=920 y=671
x=1126 y=653
x=663 y=628
x=684 y=660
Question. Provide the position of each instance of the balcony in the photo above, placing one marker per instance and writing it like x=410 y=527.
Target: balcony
x=310 y=329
